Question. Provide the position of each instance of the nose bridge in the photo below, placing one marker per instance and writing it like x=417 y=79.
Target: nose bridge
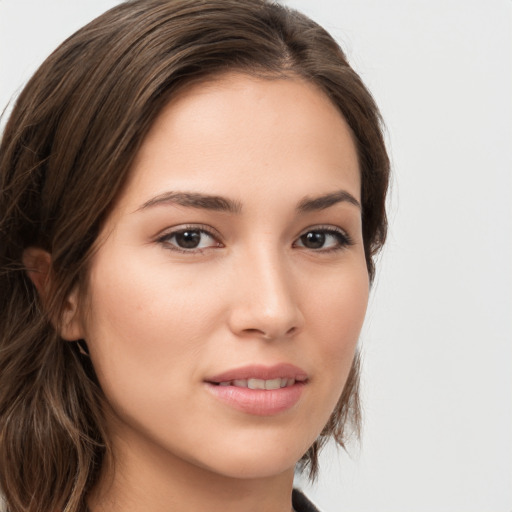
x=267 y=302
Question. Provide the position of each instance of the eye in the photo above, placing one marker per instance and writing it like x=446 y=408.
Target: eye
x=189 y=239
x=324 y=239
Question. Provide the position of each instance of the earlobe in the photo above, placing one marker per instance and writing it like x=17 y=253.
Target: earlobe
x=37 y=264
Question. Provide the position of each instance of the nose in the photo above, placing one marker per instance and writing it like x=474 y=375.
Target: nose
x=266 y=301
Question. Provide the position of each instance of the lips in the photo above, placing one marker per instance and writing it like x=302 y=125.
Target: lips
x=259 y=390
x=260 y=383
x=260 y=372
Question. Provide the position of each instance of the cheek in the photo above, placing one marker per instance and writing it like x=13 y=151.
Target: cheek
x=335 y=320
x=132 y=293
x=145 y=323
x=339 y=307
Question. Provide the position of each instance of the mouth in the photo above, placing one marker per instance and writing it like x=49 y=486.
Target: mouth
x=260 y=377
x=253 y=383
x=259 y=390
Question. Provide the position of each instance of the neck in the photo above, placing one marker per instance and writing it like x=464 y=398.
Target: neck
x=145 y=478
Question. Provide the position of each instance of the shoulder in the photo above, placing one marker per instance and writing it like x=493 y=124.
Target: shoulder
x=301 y=504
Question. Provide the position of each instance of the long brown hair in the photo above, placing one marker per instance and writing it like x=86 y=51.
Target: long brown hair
x=65 y=154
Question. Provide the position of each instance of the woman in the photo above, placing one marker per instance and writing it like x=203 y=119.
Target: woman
x=192 y=195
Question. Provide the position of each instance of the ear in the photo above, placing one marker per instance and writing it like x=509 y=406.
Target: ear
x=70 y=325
x=38 y=264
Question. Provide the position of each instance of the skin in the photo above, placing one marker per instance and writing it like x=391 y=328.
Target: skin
x=159 y=321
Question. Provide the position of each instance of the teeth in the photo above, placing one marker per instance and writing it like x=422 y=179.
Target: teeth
x=260 y=383
x=273 y=384
x=256 y=384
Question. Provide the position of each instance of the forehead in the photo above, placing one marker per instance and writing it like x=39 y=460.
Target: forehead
x=237 y=133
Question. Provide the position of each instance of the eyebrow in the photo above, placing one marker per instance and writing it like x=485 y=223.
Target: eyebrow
x=195 y=200
x=310 y=204
x=224 y=204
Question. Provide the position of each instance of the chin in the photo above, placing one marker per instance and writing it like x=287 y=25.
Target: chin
x=251 y=468
x=258 y=459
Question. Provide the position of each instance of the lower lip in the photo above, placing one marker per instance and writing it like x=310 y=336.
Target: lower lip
x=259 y=402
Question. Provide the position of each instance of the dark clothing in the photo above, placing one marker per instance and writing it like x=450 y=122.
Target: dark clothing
x=301 y=503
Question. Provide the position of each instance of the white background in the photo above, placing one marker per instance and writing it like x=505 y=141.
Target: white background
x=438 y=341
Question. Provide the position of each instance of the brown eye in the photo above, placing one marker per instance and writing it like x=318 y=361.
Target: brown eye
x=188 y=239
x=313 y=240
x=328 y=239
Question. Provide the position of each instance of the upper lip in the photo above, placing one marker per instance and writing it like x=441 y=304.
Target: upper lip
x=283 y=371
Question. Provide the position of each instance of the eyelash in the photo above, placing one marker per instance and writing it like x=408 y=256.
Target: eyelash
x=165 y=239
x=343 y=239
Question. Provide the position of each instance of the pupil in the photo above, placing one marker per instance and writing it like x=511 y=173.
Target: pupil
x=313 y=240
x=188 y=239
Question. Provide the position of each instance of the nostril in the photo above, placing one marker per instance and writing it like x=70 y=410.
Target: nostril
x=269 y=335
x=268 y=320
x=255 y=331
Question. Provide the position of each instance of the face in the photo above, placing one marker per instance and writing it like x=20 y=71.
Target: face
x=233 y=260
